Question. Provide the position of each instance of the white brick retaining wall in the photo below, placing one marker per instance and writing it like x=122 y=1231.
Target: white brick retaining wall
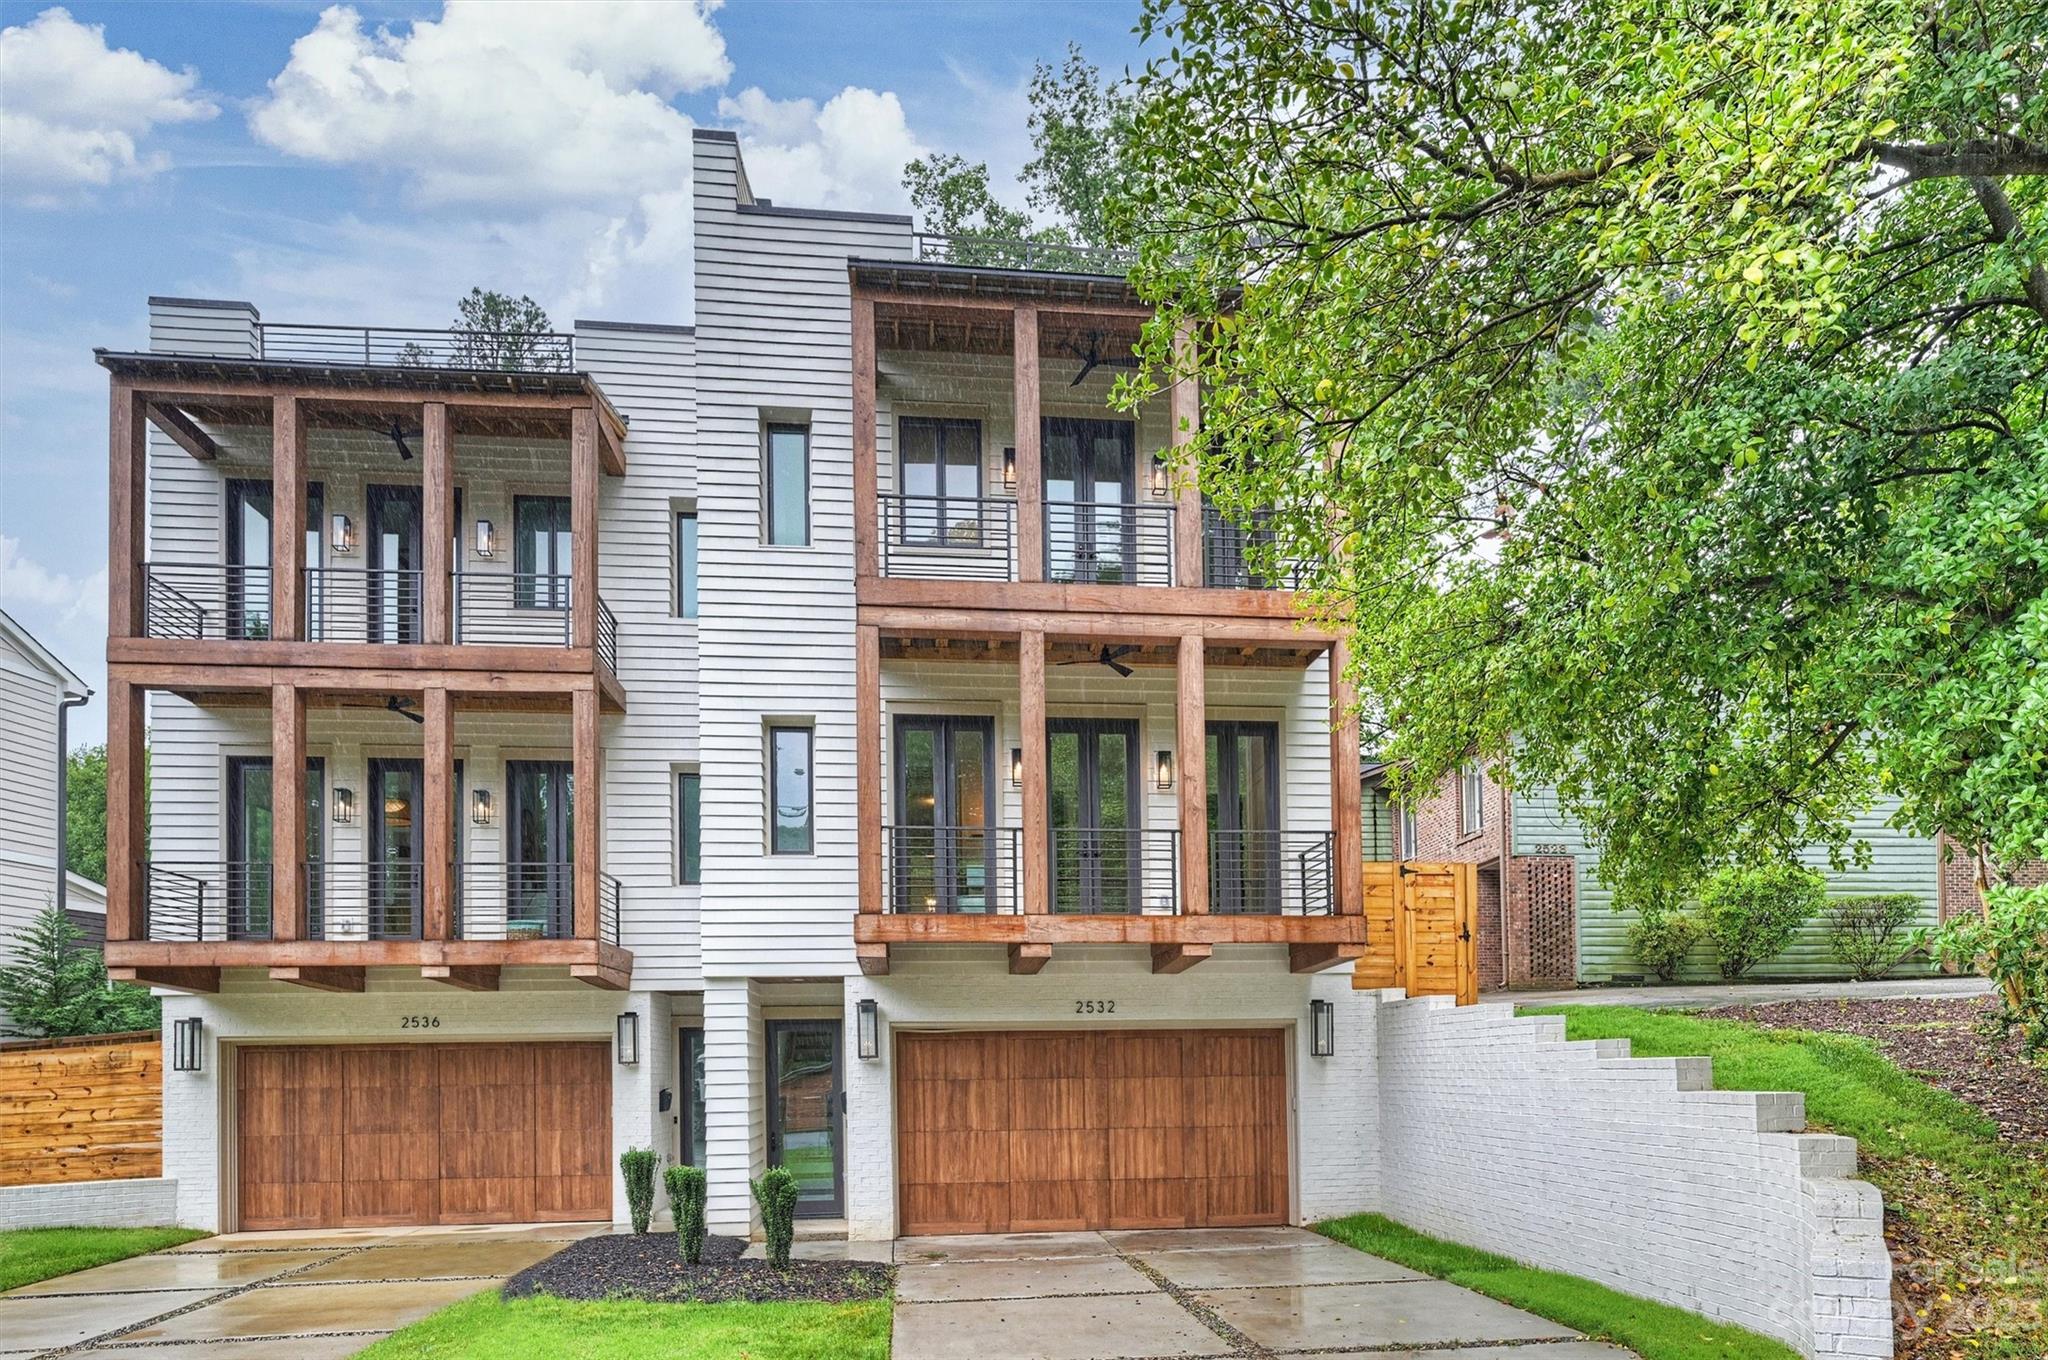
x=1497 y=1133
x=141 y=1202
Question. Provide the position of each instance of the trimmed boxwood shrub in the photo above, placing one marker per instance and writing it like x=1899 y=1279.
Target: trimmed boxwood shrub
x=776 y=1193
x=1751 y=912
x=1661 y=941
x=1863 y=932
x=637 y=1166
x=686 y=1202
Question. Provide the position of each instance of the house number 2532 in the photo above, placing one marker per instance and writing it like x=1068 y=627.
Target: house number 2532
x=419 y=1022
x=1095 y=1008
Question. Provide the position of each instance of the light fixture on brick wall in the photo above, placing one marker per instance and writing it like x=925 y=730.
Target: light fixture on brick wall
x=188 y=1037
x=344 y=805
x=1322 y=1028
x=867 y=1029
x=629 y=1039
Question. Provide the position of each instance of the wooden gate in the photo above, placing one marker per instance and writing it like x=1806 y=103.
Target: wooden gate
x=89 y=1109
x=1421 y=930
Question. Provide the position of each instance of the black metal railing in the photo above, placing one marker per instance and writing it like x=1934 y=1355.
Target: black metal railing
x=1270 y=873
x=964 y=870
x=1108 y=543
x=954 y=538
x=513 y=608
x=995 y=252
x=206 y=902
x=362 y=604
x=607 y=637
x=608 y=894
x=205 y=601
x=406 y=347
x=355 y=901
x=1232 y=554
x=1115 y=872
x=521 y=900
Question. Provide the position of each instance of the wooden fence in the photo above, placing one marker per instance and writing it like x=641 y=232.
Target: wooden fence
x=1421 y=930
x=89 y=1109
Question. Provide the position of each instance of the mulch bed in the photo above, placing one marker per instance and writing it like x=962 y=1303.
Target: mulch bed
x=646 y=1266
x=1942 y=1042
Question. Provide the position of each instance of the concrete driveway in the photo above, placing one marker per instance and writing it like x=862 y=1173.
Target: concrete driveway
x=1254 y=1292
x=268 y=1296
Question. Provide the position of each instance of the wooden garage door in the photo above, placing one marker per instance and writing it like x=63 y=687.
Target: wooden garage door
x=363 y=1136
x=1043 y=1132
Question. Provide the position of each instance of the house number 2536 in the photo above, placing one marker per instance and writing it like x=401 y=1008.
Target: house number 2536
x=1095 y=1008
x=419 y=1022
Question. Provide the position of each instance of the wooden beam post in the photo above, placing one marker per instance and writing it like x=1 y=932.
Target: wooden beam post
x=478 y=977
x=1030 y=465
x=437 y=551
x=583 y=527
x=128 y=494
x=1347 y=827
x=320 y=979
x=867 y=757
x=1184 y=405
x=1037 y=856
x=866 y=485
x=1191 y=728
x=1029 y=958
x=127 y=813
x=287 y=517
x=437 y=800
x=587 y=835
x=288 y=811
x=1178 y=958
x=184 y=432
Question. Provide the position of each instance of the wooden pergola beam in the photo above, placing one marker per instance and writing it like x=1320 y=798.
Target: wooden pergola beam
x=184 y=432
x=188 y=980
x=1178 y=958
x=1026 y=959
x=468 y=977
x=320 y=979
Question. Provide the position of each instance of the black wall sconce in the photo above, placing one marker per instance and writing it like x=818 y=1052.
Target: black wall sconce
x=188 y=1038
x=1162 y=770
x=344 y=806
x=1016 y=767
x=1009 y=469
x=486 y=538
x=480 y=808
x=1161 y=483
x=629 y=1039
x=1322 y=1029
x=868 y=1030
x=342 y=536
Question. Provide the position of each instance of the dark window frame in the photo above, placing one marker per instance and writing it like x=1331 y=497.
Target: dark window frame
x=686 y=546
x=689 y=827
x=690 y=1116
x=527 y=592
x=768 y=482
x=810 y=818
x=937 y=517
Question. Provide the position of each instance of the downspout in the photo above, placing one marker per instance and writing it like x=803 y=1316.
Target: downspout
x=64 y=707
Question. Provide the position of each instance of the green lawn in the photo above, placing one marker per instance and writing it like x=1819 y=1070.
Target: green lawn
x=485 y=1327
x=1655 y=1331
x=31 y=1254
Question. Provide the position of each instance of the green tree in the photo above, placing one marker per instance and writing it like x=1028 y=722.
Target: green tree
x=57 y=986
x=85 y=811
x=1655 y=392
x=497 y=331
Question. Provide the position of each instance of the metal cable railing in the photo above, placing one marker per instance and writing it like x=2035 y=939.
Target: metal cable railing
x=407 y=347
x=1103 y=871
x=1232 y=552
x=205 y=601
x=607 y=637
x=1270 y=873
x=363 y=604
x=1108 y=543
x=354 y=901
x=193 y=902
x=513 y=608
x=520 y=900
x=995 y=252
x=608 y=894
x=956 y=538
x=968 y=870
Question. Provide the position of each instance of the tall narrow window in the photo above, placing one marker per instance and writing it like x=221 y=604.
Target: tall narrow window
x=788 y=485
x=789 y=790
x=686 y=565
x=941 y=481
x=540 y=552
x=1409 y=847
x=1472 y=798
x=689 y=824
x=690 y=1120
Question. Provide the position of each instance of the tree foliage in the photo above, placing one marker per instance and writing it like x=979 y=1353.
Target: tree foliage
x=57 y=986
x=85 y=811
x=497 y=330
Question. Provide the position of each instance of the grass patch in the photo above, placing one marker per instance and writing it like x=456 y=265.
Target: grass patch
x=1655 y=1331
x=485 y=1327
x=31 y=1254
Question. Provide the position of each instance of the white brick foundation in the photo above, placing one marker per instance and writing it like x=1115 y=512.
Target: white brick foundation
x=143 y=1202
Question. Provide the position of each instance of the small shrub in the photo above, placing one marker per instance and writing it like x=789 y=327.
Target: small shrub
x=1751 y=912
x=686 y=1202
x=776 y=1193
x=2007 y=943
x=1863 y=932
x=637 y=1165
x=1661 y=941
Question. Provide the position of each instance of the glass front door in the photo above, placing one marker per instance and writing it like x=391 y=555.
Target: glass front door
x=250 y=850
x=804 y=1111
x=542 y=837
x=1244 y=817
x=944 y=844
x=248 y=556
x=396 y=787
x=1094 y=814
x=1090 y=501
x=393 y=559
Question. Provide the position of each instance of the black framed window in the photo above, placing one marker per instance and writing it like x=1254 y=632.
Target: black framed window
x=686 y=564
x=690 y=1114
x=248 y=555
x=1472 y=798
x=540 y=552
x=789 y=790
x=788 y=485
x=939 y=474
x=690 y=828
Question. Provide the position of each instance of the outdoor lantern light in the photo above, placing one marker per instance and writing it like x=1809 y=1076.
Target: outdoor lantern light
x=1162 y=773
x=629 y=1038
x=868 y=1029
x=187 y=1035
x=486 y=541
x=1009 y=469
x=344 y=806
x=344 y=534
x=1016 y=767
x=1159 y=478
x=480 y=807
x=1322 y=1029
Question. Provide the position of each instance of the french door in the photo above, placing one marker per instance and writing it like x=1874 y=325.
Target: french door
x=393 y=557
x=247 y=543
x=250 y=842
x=805 y=1112
x=396 y=836
x=541 y=838
x=1244 y=817
x=945 y=843
x=1093 y=794
x=1090 y=501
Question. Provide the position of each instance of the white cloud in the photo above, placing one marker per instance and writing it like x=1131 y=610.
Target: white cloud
x=848 y=154
x=25 y=582
x=533 y=102
x=75 y=112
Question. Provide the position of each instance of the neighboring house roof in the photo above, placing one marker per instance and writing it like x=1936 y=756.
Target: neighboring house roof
x=25 y=643
x=81 y=894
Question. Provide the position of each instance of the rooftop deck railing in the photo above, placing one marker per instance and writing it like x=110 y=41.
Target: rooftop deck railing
x=995 y=252
x=407 y=347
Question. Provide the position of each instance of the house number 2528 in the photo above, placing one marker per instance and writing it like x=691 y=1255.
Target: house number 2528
x=419 y=1022
x=1094 y=1007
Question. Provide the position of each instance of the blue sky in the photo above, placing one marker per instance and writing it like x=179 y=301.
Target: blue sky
x=368 y=163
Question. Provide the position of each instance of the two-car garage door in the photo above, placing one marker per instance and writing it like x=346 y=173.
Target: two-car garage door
x=361 y=1135
x=1045 y=1131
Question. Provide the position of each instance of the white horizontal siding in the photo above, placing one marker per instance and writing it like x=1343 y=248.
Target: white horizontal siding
x=29 y=696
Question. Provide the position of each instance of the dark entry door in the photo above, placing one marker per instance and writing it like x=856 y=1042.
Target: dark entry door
x=538 y=873
x=248 y=556
x=1090 y=501
x=804 y=1111
x=1094 y=814
x=250 y=848
x=1244 y=817
x=393 y=559
x=396 y=834
x=945 y=844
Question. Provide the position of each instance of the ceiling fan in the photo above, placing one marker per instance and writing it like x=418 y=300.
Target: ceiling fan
x=1093 y=358
x=403 y=708
x=397 y=435
x=1106 y=657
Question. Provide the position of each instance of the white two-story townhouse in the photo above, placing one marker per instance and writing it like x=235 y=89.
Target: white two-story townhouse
x=826 y=736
